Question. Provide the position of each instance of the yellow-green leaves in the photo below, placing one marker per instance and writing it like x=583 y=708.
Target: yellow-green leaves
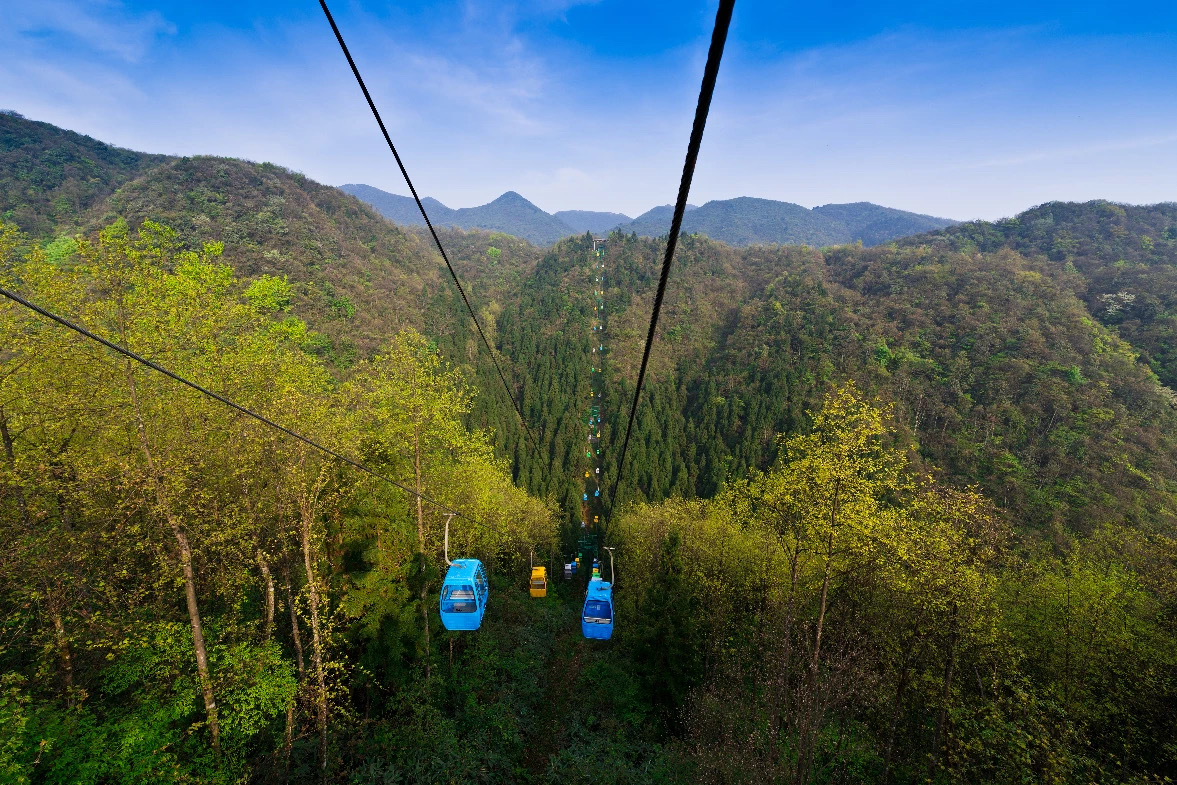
x=269 y=293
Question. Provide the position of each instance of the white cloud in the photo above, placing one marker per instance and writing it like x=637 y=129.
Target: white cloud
x=102 y=25
x=508 y=96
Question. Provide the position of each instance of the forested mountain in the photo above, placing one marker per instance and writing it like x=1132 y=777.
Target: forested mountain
x=995 y=363
x=873 y=224
x=510 y=213
x=741 y=221
x=400 y=209
x=356 y=278
x=50 y=176
x=891 y=514
x=1121 y=259
x=589 y=221
x=747 y=221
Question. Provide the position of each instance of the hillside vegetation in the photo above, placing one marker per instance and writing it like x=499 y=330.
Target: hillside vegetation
x=1121 y=258
x=49 y=177
x=1000 y=374
x=219 y=598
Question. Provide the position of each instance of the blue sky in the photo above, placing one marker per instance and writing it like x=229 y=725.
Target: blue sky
x=965 y=110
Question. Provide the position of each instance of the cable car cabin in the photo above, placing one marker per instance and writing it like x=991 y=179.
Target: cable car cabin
x=596 y=621
x=568 y=571
x=463 y=595
x=539 y=581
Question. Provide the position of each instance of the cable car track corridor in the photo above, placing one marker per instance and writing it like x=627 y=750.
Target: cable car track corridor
x=571 y=649
x=591 y=506
x=561 y=677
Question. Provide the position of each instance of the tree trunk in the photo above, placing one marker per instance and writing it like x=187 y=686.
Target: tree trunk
x=901 y=688
x=805 y=744
x=288 y=740
x=940 y=746
x=421 y=540
x=63 y=652
x=202 y=669
x=825 y=584
x=206 y=684
x=787 y=642
x=10 y=454
x=265 y=568
x=60 y=637
x=308 y=514
x=294 y=633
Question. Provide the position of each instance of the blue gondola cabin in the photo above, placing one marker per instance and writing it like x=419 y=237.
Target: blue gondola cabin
x=597 y=619
x=463 y=595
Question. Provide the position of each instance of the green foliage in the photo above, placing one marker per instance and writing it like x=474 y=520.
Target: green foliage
x=1120 y=259
x=16 y=747
x=61 y=250
x=859 y=618
x=127 y=648
x=50 y=177
x=269 y=293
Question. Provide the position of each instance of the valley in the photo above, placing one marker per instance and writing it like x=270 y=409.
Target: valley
x=900 y=503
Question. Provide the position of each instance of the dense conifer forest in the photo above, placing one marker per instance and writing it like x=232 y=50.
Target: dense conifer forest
x=896 y=514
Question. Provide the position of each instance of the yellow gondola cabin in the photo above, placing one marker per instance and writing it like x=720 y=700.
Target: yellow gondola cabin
x=539 y=581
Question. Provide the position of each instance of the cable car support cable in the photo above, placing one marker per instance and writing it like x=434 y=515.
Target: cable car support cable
x=723 y=18
x=432 y=231
x=11 y=295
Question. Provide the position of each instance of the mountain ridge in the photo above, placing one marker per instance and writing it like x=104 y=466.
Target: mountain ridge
x=592 y=220
x=50 y=176
x=510 y=213
x=741 y=221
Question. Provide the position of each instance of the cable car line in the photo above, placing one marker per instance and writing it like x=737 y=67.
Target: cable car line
x=723 y=18
x=465 y=588
x=432 y=231
x=11 y=295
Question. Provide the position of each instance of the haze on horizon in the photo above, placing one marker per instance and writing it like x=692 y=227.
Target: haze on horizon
x=972 y=112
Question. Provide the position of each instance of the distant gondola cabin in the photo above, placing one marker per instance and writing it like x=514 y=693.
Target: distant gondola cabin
x=539 y=581
x=596 y=620
x=463 y=595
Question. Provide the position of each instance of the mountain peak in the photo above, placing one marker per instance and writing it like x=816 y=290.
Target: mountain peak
x=513 y=198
